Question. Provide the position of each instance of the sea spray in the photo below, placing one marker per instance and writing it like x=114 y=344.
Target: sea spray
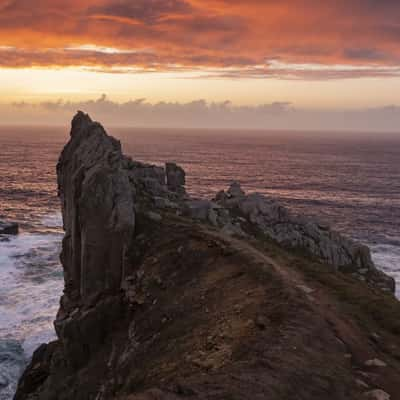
x=31 y=284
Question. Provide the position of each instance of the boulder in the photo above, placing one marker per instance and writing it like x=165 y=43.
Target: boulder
x=221 y=196
x=176 y=177
x=147 y=178
x=235 y=190
x=377 y=394
x=203 y=210
x=375 y=363
x=9 y=228
x=144 y=171
x=233 y=229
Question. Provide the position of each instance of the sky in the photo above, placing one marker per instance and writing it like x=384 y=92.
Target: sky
x=268 y=64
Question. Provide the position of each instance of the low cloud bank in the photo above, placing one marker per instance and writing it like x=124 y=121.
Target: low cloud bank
x=200 y=114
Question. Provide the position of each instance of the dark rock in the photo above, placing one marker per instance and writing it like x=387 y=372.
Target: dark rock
x=9 y=228
x=176 y=178
x=375 y=363
x=235 y=190
x=154 y=216
x=376 y=394
x=203 y=210
x=98 y=210
x=261 y=322
x=316 y=239
x=37 y=372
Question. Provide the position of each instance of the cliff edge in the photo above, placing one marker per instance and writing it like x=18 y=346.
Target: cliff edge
x=170 y=297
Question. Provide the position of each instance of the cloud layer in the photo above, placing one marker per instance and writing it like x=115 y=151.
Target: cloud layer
x=230 y=38
x=200 y=114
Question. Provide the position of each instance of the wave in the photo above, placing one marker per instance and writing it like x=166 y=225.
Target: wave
x=386 y=257
x=29 y=264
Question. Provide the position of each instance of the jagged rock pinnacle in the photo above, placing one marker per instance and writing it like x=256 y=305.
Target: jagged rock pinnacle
x=80 y=123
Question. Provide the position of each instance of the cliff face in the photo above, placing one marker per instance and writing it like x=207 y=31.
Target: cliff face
x=98 y=212
x=168 y=297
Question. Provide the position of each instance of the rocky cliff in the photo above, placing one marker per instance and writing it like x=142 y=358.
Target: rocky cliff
x=169 y=297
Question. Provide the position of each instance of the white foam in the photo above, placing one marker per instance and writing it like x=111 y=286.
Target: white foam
x=53 y=220
x=31 y=284
x=387 y=258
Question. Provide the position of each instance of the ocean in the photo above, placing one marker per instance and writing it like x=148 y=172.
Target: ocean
x=351 y=181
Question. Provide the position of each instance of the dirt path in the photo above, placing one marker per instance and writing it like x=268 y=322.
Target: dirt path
x=372 y=363
x=291 y=276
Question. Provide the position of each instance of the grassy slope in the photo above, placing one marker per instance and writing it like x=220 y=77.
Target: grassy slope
x=212 y=317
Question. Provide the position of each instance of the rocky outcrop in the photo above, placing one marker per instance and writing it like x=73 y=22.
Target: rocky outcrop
x=254 y=215
x=176 y=178
x=297 y=232
x=316 y=239
x=168 y=297
x=8 y=228
x=98 y=212
x=101 y=190
x=101 y=193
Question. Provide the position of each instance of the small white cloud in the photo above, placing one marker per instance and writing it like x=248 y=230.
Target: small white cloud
x=105 y=50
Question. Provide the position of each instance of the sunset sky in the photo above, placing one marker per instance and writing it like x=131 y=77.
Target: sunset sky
x=324 y=58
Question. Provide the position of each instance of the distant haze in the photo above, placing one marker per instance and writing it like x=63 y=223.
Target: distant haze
x=200 y=114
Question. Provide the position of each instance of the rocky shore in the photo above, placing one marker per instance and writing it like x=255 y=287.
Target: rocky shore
x=169 y=297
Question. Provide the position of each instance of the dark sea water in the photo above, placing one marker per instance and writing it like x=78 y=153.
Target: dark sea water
x=350 y=181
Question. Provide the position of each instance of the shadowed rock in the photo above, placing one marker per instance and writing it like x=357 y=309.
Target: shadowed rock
x=98 y=211
x=9 y=228
x=176 y=178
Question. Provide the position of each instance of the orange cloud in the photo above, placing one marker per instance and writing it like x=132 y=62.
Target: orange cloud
x=237 y=36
